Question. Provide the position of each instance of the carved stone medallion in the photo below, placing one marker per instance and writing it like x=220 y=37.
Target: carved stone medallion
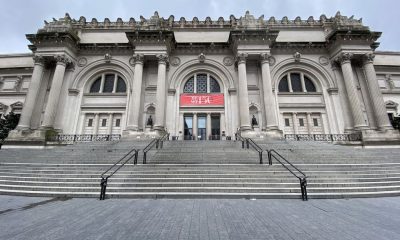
x=272 y=61
x=228 y=61
x=323 y=60
x=82 y=62
x=132 y=61
x=175 y=61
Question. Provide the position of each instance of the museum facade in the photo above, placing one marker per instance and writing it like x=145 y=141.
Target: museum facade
x=202 y=79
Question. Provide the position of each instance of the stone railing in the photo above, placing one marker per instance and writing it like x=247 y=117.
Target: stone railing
x=324 y=137
x=71 y=138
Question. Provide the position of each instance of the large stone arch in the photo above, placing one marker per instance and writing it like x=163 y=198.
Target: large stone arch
x=208 y=66
x=97 y=67
x=307 y=66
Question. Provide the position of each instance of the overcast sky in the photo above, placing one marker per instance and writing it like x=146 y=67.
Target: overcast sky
x=19 y=17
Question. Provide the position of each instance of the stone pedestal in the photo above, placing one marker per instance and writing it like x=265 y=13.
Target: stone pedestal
x=381 y=138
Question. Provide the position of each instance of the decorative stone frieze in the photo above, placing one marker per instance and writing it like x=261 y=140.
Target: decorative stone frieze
x=82 y=61
x=228 y=61
x=202 y=57
x=62 y=59
x=344 y=58
x=175 y=61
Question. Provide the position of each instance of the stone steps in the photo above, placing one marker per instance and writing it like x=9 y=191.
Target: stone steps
x=201 y=169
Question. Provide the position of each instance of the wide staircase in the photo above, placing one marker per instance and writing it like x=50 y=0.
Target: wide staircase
x=201 y=169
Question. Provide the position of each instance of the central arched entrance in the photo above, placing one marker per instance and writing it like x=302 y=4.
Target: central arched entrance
x=201 y=103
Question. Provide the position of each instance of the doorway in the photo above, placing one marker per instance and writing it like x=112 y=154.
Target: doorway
x=201 y=127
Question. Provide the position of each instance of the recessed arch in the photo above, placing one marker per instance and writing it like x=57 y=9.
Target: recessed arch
x=88 y=74
x=318 y=74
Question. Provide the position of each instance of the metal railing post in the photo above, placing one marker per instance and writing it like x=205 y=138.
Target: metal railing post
x=157 y=143
x=261 y=157
x=242 y=143
x=136 y=157
x=247 y=143
x=144 y=157
x=303 y=187
x=103 y=184
x=269 y=157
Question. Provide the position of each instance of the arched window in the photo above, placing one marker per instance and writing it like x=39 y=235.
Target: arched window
x=202 y=83
x=296 y=82
x=108 y=83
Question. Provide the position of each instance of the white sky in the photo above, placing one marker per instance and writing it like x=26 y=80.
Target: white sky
x=19 y=17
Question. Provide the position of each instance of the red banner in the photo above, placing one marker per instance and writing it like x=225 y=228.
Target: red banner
x=205 y=99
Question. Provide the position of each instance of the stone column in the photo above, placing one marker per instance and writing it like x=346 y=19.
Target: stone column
x=208 y=131
x=381 y=116
x=110 y=123
x=31 y=97
x=195 y=126
x=181 y=126
x=351 y=88
x=243 y=93
x=295 y=127
x=222 y=124
x=309 y=123
x=161 y=92
x=55 y=91
x=136 y=92
x=269 y=102
x=96 y=123
x=344 y=101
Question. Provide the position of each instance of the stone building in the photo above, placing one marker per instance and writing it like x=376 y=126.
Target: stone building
x=202 y=79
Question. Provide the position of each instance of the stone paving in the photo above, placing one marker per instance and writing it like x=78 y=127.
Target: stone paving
x=47 y=218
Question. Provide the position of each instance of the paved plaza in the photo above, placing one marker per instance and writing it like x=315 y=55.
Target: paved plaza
x=51 y=218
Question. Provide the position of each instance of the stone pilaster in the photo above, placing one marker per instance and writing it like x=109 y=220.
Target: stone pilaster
x=243 y=93
x=55 y=91
x=295 y=126
x=309 y=123
x=351 y=88
x=194 y=125
x=135 y=94
x=31 y=97
x=378 y=104
x=161 y=92
x=208 y=130
x=96 y=123
x=110 y=123
x=269 y=102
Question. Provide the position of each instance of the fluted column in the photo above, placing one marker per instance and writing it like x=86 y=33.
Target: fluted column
x=351 y=88
x=378 y=104
x=295 y=126
x=161 y=92
x=269 y=102
x=96 y=123
x=194 y=125
x=31 y=97
x=309 y=123
x=55 y=91
x=243 y=93
x=344 y=101
x=110 y=123
x=208 y=130
x=136 y=92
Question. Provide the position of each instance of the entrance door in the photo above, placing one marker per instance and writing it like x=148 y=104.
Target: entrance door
x=201 y=128
x=188 y=131
x=215 y=128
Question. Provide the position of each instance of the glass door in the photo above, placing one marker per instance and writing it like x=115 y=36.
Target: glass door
x=188 y=130
x=215 y=127
x=201 y=127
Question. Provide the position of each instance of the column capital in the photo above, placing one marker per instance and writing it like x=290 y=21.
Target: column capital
x=62 y=60
x=368 y=58
x=265 y=58
x=138 y=58
x=344 y=57
x=38 y=60
x=162 y=58
x=241 y=57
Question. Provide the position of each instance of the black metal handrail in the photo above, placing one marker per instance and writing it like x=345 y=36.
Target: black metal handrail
x=158 y=142
x=250 y=142
x=300 y=175
x=124 y=160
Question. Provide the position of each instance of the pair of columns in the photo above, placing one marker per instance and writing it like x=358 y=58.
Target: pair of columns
x=161 y=93
x=34 y=87
x=268 y=96
x=354 y=103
